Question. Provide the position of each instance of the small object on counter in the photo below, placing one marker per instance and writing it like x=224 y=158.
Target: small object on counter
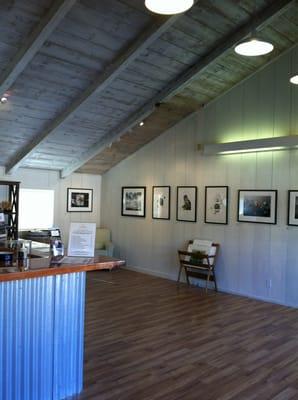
x=57 y=248
x=6 y=258
x=23 y=252
x=23 y=260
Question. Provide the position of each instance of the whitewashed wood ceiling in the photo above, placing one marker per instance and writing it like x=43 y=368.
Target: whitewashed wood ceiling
x=80 y=75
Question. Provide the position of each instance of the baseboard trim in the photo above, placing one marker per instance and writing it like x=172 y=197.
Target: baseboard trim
x=255 y=297
x=173 y=277
x=151 y=272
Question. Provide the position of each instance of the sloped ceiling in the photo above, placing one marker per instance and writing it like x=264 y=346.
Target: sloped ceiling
x=81 y=75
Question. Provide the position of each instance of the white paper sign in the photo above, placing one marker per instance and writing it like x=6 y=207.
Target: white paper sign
x=81 y=239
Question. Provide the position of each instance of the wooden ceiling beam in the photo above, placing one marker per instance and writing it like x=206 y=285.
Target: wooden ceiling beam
x=263 y=18
x=113 y=70
x=34 y=42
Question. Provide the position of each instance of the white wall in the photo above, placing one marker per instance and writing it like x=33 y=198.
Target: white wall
x=263 y=106
x=41 y=179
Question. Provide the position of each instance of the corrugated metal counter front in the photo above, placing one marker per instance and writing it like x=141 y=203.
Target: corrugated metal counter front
x=42 y=329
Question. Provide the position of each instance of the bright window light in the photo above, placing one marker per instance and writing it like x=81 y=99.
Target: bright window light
x=36 y=209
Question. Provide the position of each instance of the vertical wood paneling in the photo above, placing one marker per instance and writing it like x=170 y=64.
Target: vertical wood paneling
x=157 y=230
x=251 y=254
x=279 y=237
x=291 y=267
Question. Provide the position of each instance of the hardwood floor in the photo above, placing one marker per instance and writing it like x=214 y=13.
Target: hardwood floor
x=146 y=339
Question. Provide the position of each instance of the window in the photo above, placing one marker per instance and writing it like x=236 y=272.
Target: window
x=36 y=209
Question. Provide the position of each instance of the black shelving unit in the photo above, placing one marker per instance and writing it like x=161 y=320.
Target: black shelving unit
x=12 y=216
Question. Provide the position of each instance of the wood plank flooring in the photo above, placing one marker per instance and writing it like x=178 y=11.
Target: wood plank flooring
x=146 y=339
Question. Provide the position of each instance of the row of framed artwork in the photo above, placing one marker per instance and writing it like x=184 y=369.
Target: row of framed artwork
x=258 y=206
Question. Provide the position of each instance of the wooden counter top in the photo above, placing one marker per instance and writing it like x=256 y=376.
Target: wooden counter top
x=48 y=266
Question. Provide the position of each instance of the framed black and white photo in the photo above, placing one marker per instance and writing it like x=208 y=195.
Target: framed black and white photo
x=186 y=203
x=161 y=202
x=257 y=206
x=216 y=204
x=79 y=200
x=133 y=201
x=293 y=207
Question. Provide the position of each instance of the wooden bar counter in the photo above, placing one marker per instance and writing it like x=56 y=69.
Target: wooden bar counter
x=46 y=266
x=42 y=328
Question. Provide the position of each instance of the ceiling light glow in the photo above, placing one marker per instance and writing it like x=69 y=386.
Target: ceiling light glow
x=253 y=47
x=294 y=79
x=141 y=123
x=252 y=150
x=251 y=146
x=168 y=7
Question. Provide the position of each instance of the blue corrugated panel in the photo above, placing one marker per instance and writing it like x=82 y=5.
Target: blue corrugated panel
x=41 y=337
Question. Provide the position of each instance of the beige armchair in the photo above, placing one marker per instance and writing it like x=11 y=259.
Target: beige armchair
x=103 y=243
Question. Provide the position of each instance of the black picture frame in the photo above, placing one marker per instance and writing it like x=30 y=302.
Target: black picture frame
x=216 y=205
x=257 y=206
x=79 y=200
x=156 y=202
x=186 y=203
x=292 y=208
x=133 y=201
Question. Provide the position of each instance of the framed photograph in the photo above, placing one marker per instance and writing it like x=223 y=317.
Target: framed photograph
x=133 y=201
x=216 y=204
x=161 y=202
x=257 y=206
x=186 y=203
x=79 y=200
x=293 y=207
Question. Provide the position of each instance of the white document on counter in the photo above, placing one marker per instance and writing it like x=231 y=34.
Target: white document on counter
x=81 y=239
x=75 y=260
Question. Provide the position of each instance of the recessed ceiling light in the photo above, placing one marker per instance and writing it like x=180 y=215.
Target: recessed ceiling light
x=3 y=99
x=141 y=123
x=294 y=79
x=253 y=47
x=168 y=7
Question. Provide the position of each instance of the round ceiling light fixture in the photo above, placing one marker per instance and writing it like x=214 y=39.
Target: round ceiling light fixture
x=169 y=7
x=294 y=80
x=254 y=47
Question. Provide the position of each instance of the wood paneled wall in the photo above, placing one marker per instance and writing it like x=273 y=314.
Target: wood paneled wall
x=252 y=255
x=41 y=179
